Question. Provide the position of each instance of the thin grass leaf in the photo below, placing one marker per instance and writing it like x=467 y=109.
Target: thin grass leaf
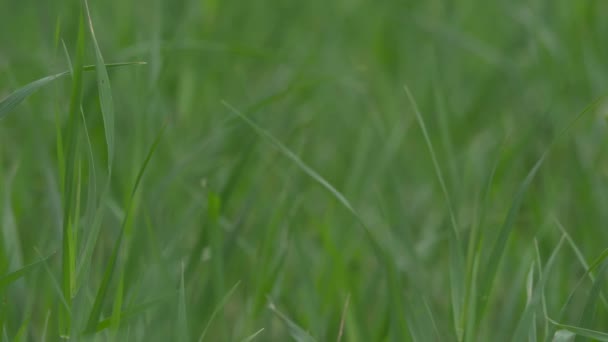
x=105 y=92
x=71 y=133
x=588 y=316
x=294 y=158
x=457 y=268
x=134 y=312
x=183 y=329
x=581 y=258
x=381 y=253
x=500 y=244
x=13 y=276
x=253 y=336
x=526 y=319
x=296 y=332
x=95 y=313
x=15 y=98
x=598 y=335
x=217 y=310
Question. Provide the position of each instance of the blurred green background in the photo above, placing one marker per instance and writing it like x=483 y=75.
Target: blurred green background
x=497 y=85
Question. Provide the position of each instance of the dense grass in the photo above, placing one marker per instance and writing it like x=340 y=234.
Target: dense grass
x=315 y=170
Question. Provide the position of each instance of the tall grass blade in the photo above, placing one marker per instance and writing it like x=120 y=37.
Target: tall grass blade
x=105 y=91
x=457 y=268
x=526 y=319
x=95 y=313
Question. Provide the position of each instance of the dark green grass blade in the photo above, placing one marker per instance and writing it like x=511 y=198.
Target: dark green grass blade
x=93 y=320
x=14 y=99
x=11 y=277
x=105 y=91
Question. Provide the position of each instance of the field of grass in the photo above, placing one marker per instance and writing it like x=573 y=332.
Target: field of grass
x=273 y=170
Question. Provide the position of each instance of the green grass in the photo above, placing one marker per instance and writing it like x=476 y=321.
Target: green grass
x=312 y=171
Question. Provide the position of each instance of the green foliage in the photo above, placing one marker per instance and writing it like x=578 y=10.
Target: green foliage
x=266 y=164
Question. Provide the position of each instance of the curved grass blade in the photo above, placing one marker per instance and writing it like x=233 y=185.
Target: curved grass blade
x=11 y=277
x=598 y=335
x=217 y=309
x=381 y=253
x=105 y=91
x=15 y=98
x=523 y=326
x=298 y=334
x=253 y=336
x=105 y=283
x=457 y=270
x=132 y=313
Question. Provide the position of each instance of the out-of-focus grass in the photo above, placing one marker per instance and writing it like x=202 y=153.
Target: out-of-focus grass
x=470 y=207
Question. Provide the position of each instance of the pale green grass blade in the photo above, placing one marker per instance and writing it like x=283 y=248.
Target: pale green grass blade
x=294 y=158
x=564 y=336
x=491 y=268
x=105 y=92
x=95 y=313
x=296 y=332
x=527 y=317
x=14 y=99
x=253 y=336
x=11 y=277
x=457 y=268
x=217 y=310
x=597 y=335
x=183 y=328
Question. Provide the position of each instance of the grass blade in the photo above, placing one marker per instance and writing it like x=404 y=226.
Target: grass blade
x=15 y=98
x=11 y=277
x=598 y=335
x=253 y=336
x=217 y=310
x=457 y=271
x=105 y=283
x=523 y=326
x=298 y=334
x=105 y=91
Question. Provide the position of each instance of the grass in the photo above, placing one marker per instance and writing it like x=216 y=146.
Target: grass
x=309 y=171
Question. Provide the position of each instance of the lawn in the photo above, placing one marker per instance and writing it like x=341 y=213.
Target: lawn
x=347 y=170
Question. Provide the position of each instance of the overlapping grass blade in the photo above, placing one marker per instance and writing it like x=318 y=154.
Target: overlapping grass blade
x=217 y=310
x=13 y=276
x=457 y=270
x=597 y=335
x=383 y=255
x=296 y=332
x=526 y=319
x=15 y=98
x=95 y=313
x=105 y=91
